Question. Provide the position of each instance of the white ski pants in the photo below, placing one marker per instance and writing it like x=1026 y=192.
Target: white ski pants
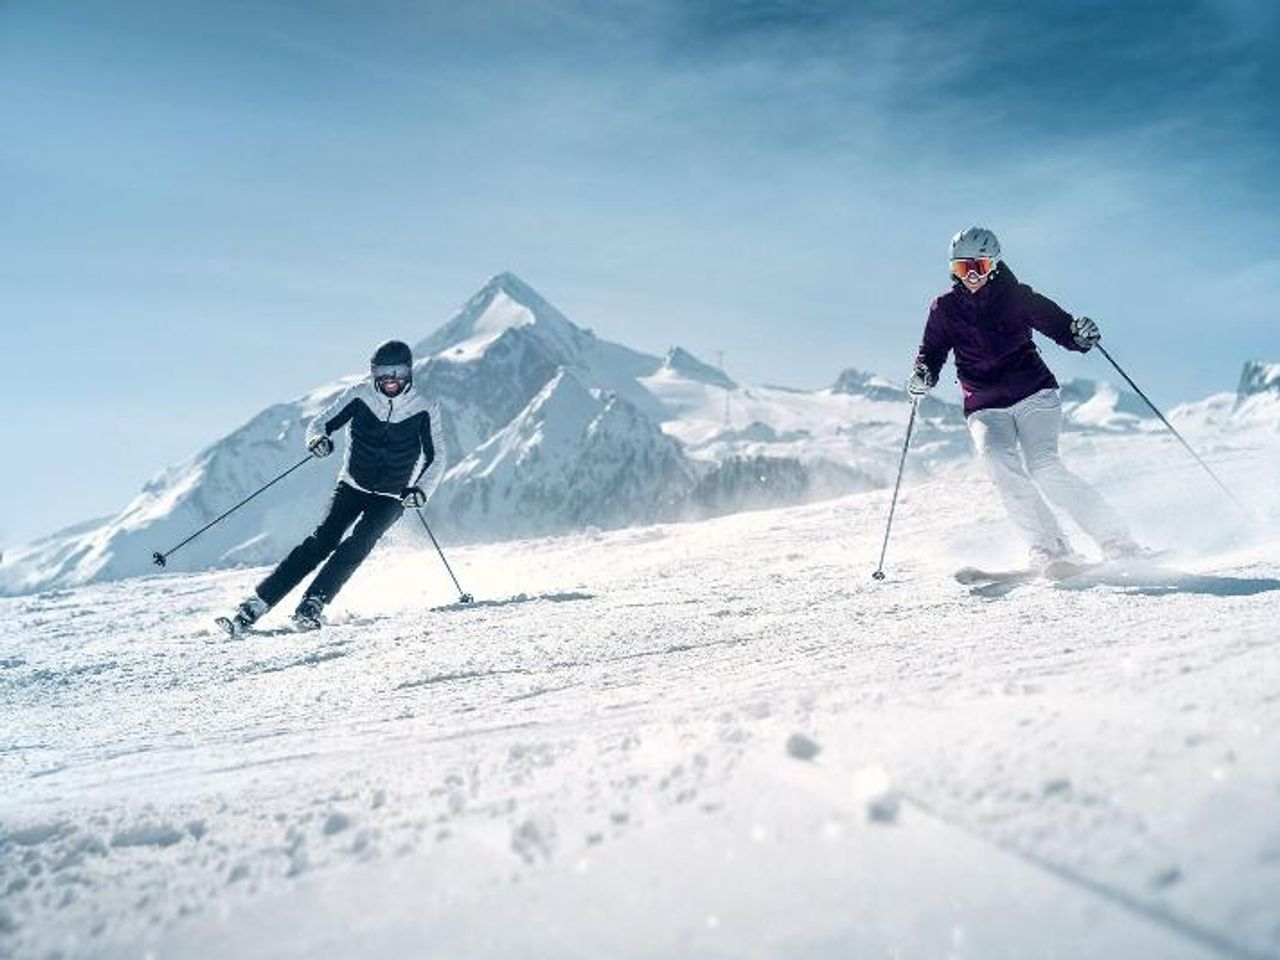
x=1033 y=424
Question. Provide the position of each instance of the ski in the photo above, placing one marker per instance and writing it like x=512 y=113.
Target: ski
x=971 y=576
x=1066 y=569
x=1057 y=570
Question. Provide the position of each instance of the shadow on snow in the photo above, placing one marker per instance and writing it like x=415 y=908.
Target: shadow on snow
x=1160 y=584
x=1146 y=583
x=518 y=598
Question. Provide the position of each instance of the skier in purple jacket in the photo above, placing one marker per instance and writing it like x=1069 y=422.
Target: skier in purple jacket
x=1011 y=398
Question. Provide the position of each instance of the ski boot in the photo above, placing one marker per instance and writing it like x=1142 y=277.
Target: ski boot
x=246 y=616
x=1056 y=560
x=309 y=613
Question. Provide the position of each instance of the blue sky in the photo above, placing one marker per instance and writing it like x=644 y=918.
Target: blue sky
x=208 y=207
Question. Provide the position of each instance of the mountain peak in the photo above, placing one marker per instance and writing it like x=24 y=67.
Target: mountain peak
x=515 y=288
x=855 y=382
x=504 y=303
x=1079 y=392
x=684 y=364
x=1258 y=377
x=1100 y=405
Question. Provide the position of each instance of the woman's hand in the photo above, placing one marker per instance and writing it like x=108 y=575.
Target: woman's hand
x=920 y=381
x=1085 y=332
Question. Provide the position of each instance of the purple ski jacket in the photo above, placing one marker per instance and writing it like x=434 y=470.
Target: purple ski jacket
x=990 y=333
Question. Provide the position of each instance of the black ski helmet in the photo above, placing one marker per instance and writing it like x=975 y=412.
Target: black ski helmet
x=392 y=353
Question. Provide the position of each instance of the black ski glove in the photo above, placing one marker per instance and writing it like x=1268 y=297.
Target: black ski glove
x=413 y=497
x=320 y=447
x=1085 y=333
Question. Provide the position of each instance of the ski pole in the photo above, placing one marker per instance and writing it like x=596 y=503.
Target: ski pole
x=463 y=596
x=1156 y=411
x=911 y=422
x=159 y=559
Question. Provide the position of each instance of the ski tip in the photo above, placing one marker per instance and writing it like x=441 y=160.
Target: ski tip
x=971 y=576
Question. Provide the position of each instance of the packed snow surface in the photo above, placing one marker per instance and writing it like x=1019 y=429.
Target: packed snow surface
x=715 y=739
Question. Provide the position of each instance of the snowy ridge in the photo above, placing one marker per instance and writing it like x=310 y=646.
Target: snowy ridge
x=183 y=498
x=859 y=383
x=680 y=363
x=1254 y=407
x=573 y=457
x=1097 y=405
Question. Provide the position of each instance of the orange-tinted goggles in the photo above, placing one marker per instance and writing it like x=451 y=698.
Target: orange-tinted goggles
x=979 y=265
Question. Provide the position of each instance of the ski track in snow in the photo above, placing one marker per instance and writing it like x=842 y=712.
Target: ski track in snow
x=714 y=739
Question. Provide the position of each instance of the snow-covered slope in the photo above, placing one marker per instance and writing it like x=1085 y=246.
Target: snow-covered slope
x=717 y=739
x=1255 y=406
x=573 y=457
x=185 y=497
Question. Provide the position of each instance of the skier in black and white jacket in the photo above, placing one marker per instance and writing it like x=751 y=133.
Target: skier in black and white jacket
x=390 y=446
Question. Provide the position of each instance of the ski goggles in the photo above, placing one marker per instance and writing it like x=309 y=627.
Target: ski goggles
x=979 y=265
x=396 y=371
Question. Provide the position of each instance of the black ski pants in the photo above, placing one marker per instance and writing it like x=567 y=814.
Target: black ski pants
x=372 y=515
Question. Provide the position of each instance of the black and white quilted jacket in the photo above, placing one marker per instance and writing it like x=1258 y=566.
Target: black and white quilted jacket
x=388 y=437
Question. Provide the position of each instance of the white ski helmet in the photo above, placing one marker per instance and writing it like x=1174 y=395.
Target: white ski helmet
x=974 y=243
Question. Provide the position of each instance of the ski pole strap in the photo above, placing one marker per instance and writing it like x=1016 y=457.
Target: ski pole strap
x=159 y=559
x=1156 y=410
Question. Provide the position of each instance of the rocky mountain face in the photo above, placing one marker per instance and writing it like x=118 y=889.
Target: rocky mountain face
x=572 y=457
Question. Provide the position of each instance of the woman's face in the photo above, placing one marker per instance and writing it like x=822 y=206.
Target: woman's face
x=973 y=272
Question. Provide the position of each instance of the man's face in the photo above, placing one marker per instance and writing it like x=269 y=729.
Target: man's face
x=391 y=386
x=391 y=380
